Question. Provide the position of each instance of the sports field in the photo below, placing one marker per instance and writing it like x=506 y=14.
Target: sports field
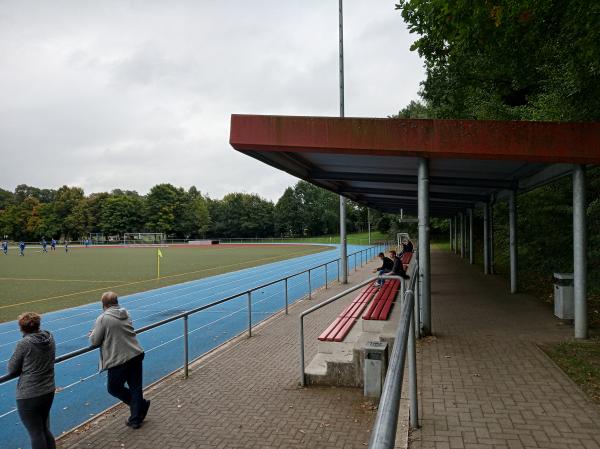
x=82 y=389
x=43 y=282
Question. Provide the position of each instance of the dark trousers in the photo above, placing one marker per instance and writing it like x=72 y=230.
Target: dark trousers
x=35 y=414
x=129 y=373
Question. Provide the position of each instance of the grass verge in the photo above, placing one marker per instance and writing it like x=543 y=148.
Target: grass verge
x=580 y=360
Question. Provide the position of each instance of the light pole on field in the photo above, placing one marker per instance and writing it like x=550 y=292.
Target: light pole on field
x=343 y=238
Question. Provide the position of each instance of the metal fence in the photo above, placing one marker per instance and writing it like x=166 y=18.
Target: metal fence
x=359 y=257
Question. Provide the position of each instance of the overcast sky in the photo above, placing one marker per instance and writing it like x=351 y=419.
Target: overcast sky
x=129 y=94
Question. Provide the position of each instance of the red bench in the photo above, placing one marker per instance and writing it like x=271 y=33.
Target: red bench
x=382 y=302
x=338 y=330
x=406 y=260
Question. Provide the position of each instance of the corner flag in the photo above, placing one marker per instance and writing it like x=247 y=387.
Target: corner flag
x=158 y=257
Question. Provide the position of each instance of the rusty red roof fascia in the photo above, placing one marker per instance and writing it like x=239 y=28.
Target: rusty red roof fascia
x=551 y=142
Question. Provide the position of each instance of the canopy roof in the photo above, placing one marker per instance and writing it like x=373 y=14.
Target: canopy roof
x=374 y=161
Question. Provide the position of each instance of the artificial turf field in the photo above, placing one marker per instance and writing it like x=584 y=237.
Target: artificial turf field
x=42 y=282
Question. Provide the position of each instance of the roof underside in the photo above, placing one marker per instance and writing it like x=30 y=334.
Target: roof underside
x=374 y=161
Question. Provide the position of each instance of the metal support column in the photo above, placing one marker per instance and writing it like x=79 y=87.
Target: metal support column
x=369 y=223
x=579 y=252
x=451 y=241
x=462 y=235
x=455 y=234
x=512 y=239
x=471 y=255
x=486 y=239
x=491 y=236
x=424 y=251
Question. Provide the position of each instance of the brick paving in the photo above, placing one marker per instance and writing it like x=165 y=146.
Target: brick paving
x=484 y=383
x=246 y=395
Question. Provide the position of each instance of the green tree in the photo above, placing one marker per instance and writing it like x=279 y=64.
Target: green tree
x=161 y=203
x=120 y=214
x=508 y=59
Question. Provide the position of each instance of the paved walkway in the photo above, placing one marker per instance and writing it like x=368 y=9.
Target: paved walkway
x=246 y=395
x=483 y=381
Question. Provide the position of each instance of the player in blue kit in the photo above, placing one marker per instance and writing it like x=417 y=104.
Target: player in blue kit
x=53 y=245
x=5 y=247
x=21 y=248
x=44 y=245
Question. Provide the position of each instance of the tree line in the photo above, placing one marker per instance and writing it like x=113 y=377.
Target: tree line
x=518 y=60
x=303 y=210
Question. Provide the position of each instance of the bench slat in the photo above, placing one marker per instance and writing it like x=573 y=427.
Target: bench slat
x=383 y=298
x=387 y=306
x=378 y=309
x=369 y=313
x=338 y=329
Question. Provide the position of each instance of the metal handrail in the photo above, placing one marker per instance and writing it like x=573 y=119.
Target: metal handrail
x=185 y=315
x=383 y=435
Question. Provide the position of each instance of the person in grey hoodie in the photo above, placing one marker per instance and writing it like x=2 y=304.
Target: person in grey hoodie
x=121 y=355
x=33 y=362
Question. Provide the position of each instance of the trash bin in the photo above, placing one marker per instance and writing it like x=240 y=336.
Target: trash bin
x=375 y=368
x=563 y=296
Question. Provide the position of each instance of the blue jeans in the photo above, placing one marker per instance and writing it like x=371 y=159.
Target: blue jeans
x=380 y=281
x=129 y=372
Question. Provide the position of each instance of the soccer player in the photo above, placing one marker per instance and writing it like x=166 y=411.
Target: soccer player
x=53 y=245
x=44 y=245
x=21 y=248
x=66 y=246
x=5 y=247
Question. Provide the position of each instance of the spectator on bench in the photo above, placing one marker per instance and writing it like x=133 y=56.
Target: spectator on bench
x=407 y=246
x=398 y=268
x=387 y=265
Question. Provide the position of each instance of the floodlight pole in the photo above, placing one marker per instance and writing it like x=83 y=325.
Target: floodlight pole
x=343 y=238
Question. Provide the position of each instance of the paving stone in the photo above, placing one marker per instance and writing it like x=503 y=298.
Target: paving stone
x=485 y=368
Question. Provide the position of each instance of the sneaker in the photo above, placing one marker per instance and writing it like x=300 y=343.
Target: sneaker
x=133 y=425
x=145 y=410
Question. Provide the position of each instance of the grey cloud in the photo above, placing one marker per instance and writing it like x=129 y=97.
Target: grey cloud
x=129 y=94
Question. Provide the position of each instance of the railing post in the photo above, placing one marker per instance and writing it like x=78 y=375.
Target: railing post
x=249 y=313
x=325 y=276
x=355 y=267
x=412 y=374
x=186 y=356
x=338 y=270
x=309 y=286
x=302 y=377
x=286 y=296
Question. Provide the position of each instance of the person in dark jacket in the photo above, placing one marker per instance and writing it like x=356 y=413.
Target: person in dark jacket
x=33 y=362
x=121 y=355
x=407 y=246
x=387 y=265
x=398 y=268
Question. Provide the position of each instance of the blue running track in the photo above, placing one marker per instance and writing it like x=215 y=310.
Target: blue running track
x=82 y=392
